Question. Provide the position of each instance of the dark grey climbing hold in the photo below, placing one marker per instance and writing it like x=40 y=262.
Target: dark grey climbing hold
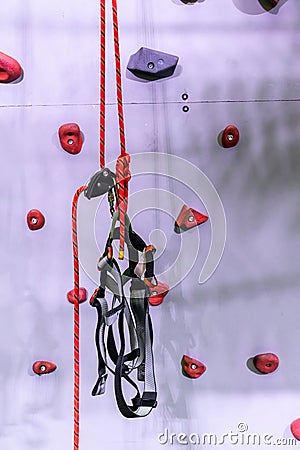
x=152 y=64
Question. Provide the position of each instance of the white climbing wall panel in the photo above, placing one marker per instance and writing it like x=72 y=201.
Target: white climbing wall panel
x=239 y=65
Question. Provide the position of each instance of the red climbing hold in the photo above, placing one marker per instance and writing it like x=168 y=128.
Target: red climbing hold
x=274 y=2
x=158 y=293
x=35 y=219
x=10 y=69
x=266 y=362
x=295 y=428
x=82 y=295
x=230 y=136
x=192 y=368
x=188 y=218
x=70 y=138
x=43 y=367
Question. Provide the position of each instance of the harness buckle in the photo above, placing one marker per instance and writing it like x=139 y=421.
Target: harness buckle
x=125 y=370
x=147 y=255
x=98 y=294
x=148 y=399
x=109 y=252
x=111 y=202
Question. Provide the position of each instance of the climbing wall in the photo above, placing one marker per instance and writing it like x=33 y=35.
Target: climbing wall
x=238 y=65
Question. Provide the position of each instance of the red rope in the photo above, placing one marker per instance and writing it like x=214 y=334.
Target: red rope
x=122 y=168
x=123 y=177
x=118 y=77
x=76 y=316
x=102 y=84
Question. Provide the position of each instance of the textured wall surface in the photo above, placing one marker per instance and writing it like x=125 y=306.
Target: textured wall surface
x=239 y=64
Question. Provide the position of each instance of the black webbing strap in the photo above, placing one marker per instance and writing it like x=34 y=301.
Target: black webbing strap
x=101 y=306
x=141 y=358
x=134 y=244
x=141 y=404
x=138 y=303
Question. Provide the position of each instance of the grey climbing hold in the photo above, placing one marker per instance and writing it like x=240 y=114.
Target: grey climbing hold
x=152 y=64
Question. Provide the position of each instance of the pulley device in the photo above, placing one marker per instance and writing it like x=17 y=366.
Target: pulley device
x=131 y=291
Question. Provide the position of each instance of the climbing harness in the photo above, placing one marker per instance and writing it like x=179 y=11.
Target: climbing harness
x=134 y=315
x=130 y=362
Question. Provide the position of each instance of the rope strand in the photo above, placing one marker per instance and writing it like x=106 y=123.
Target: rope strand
x=122 y=169
x=123 y=176
x=102 y=84
x=118 y=77
x=76 y=317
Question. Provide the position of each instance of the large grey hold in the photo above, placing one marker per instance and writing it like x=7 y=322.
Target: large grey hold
x=152 y=64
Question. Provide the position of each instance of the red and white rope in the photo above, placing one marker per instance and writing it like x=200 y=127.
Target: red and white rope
x=76 y=317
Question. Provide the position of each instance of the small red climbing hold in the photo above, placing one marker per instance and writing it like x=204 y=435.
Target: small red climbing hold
x=274 y=2
x=70 y=138
x=10 y=69
x=158 y=293
x=188 y=218
x=266 y=362
x=230 y=136
x=35 y=219
x=43 y=367
x=295 y=428
x=192 y=368
x=82 y=295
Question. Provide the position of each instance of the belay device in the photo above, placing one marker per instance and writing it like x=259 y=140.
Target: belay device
x=130 y=317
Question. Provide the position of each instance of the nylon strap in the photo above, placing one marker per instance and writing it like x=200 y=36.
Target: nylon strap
x=138 y=322
x=141 y=359
x=122 y=167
